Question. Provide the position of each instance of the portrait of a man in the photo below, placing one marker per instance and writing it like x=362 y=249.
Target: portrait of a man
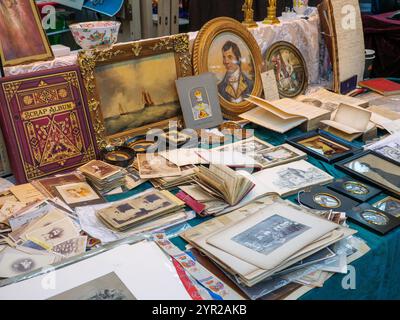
x=236 y=85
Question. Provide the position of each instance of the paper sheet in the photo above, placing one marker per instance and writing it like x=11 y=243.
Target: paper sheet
x=150 y=277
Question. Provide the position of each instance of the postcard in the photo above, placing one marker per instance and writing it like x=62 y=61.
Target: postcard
x=99 y=170
x=53 y=215
x=78 y=194
x=152 y=165
x=47 y=185
x=54 y=233
x=9 y=209
x=107 y=287
x=71 y=247
x=7 y=196
x=132 y=179
x=275 y=156
x=27 y=193
x=15 y=262
x=28 y=215
x=251 y=145
x=184 y=156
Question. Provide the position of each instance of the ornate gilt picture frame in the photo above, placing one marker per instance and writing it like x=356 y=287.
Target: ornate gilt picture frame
x=226 y=48
x=22 y=38
x=289 y=67
x=131 y=86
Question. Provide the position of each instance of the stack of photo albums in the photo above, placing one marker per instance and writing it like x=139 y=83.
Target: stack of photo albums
x=271 y=243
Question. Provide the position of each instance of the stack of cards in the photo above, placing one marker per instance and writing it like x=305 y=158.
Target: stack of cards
x=47 y=227
x=151 y=205
x=187 y=174
x=103 y=176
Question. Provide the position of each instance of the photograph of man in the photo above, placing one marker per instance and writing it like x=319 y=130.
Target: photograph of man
x=236 y=85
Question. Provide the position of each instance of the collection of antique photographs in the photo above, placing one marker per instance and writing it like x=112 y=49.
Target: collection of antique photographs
x=88 y=177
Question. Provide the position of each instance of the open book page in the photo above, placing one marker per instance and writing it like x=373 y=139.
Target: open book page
x=290 y=178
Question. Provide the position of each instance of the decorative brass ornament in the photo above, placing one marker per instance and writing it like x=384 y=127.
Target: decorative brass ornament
x=271 y=13
x=89 y=60
x=249 y=14
x=231 y=29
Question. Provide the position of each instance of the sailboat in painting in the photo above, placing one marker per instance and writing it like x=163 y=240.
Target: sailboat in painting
x=146 y=98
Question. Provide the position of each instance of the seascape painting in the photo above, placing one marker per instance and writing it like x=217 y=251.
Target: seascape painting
x=138 y=92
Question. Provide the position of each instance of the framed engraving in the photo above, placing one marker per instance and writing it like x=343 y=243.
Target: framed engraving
x=131 y=86
x=375 y=169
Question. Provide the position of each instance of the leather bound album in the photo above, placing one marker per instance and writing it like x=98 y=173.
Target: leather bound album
x=46 y=123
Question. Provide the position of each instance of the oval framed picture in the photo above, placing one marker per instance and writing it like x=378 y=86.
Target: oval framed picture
x=227 y=49
x=290 y=69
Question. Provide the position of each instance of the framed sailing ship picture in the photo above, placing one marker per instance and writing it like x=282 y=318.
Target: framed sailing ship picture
x=131 y=87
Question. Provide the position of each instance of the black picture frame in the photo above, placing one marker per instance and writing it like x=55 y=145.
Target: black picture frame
x=342 y=165
x=359 y=213
x=296 y=142
x=339 y=186
x=344 y=203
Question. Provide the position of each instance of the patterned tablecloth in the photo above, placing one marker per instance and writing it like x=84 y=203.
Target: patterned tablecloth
x=304 y=34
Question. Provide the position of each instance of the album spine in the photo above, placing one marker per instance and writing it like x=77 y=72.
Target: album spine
x=9 y=138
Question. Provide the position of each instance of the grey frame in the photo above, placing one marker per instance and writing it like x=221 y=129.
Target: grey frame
x=208 y=82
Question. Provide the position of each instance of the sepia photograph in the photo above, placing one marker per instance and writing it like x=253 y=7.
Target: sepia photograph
x=107 y=287
x=152 y=165
x=76 y=193
x=99 y=169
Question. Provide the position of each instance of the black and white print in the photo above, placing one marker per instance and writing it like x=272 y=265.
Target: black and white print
x=270 y=234
x=294 y=178
x=107 y=287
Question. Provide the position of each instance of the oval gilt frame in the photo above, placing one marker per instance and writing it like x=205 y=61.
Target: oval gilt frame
x=290 y=47
x=202 y=45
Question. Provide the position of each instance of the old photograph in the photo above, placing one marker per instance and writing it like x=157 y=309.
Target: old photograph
x=270 y=234
x=99 y=169
x=76 y=193
x=152 y=165
x=107 y=287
